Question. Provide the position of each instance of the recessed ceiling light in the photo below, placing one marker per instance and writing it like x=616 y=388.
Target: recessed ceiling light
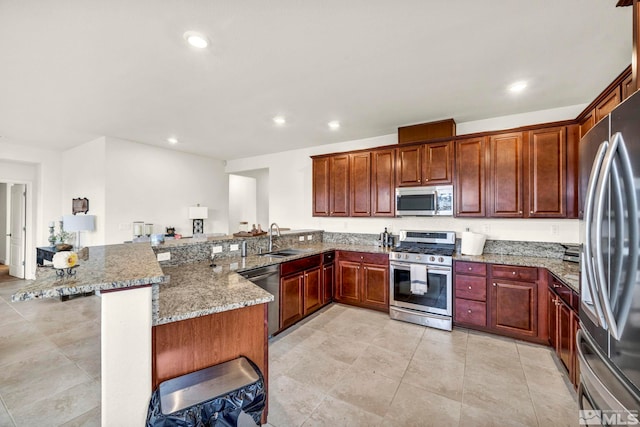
x=196 y=39
x=279 y=120
x=334 y=125
x=172 y=140
x=518 y=86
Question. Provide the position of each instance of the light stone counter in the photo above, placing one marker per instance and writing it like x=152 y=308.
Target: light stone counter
x=99 y=268
x=568 y=272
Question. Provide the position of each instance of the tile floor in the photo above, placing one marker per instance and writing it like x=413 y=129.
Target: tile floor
x=342 y=366
x=353 y=367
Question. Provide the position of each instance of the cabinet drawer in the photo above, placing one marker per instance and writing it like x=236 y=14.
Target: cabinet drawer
x=328 y=257
x=471 y=312
x=526 y=274
x=565 y=293
x=380 y=259
x=298 y=265
x=478 y=268
x=471 y=287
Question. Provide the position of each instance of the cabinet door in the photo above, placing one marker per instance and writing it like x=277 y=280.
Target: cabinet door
x=375 y=286
x=552 y=319
x=468 y=312
x=437 y=163
x=347 y=288
x=339 y=185
x=514 y=308
x=313 y=292
x=610 y=102
x=547 y=173
x=291 y=299
x=627 y=88
x=575 y=374
x=321 y=186
x=383 y=183
x=587 y=123
x=505 y=175
x=409 y=166
x=327 y=283
x=360 y=184
x=565 y=335
x=470 y=181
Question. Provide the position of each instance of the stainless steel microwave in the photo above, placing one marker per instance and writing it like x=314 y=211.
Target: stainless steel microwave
x=424 y=201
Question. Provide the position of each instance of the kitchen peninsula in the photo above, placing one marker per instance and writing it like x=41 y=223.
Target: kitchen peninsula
x=130 y=281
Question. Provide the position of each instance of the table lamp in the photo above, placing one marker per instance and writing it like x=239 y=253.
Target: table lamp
x=78 y=224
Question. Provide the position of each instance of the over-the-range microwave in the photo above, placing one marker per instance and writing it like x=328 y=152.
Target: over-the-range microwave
x=424 y=201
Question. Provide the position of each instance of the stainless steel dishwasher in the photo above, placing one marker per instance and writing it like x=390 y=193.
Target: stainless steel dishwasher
x=268 y=278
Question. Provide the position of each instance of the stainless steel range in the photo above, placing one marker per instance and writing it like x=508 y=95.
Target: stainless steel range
x=421 y=278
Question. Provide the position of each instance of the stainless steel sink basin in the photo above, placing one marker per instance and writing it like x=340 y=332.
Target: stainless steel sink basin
x=282 y=253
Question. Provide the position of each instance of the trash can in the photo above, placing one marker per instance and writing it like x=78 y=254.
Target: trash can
x=224 y=395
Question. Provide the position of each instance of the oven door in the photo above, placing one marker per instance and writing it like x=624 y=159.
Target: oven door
x=436 y=300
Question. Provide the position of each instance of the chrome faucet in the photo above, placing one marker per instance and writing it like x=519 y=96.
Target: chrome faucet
x=271 y=234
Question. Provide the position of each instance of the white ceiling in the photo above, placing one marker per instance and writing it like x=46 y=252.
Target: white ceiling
x=74 y=70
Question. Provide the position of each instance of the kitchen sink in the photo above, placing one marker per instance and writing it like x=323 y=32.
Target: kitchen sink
x=282 y=253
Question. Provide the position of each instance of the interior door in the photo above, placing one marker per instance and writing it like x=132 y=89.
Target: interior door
x=18 y=224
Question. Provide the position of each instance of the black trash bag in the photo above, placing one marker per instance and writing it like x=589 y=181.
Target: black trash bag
x=221 y=411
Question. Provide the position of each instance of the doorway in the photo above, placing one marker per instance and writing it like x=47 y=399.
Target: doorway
x=249 y=199
x=13 y=228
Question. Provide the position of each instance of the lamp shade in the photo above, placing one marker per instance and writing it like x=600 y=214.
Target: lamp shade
x=79 y=222
x=198 y=212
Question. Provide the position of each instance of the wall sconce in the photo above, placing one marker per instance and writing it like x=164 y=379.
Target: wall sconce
x=198 y=214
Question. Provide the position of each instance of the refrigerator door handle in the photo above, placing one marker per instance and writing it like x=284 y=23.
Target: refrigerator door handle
x=588 y=217
x=599 y=208
x=625 y=300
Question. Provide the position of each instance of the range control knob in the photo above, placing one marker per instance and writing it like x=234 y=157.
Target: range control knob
x=440 y=259
x=406 y=256
x=417 y=257
x=432 y=258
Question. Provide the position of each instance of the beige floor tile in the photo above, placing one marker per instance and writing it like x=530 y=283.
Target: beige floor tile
x=443 y=375
x=5 y=418
x=371 y=392
x=430 y=350
x=83 y=353
x=9 y=288
x=291 y=402
x=90 y=418
x=323 y=316
x=60 y=407
x=73 y=335
x=458 y=337
x=353 y=330
x=376 y=360
x=404 y=345
x=536 y=355
x=21 y=341
x=545 y=380
x=555 y=410
x=477 y=417
x=318 y=371
x=8 y=314
x=339 y=349
x=333 y=412
x=405 y=328
x=412 y=406
x=281 y=362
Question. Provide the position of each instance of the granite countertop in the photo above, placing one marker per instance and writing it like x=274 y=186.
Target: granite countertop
x=568 y=272
x=99 y=268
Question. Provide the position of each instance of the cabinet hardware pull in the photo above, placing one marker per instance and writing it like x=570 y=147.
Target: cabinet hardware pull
x=469 y=287
x=469 y=311
x=520 y=212
x=470 y=268
x=494 y=284
x=514 y=273
x=556 y=286
x=531 y=212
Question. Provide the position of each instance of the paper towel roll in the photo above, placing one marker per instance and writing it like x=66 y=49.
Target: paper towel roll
x=472 y=243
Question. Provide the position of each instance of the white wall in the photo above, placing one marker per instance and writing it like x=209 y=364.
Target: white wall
x=157 y=185
x=242 y=201
x=84 y=175
x=290 y=190
x=262 y=196
x=4 y=216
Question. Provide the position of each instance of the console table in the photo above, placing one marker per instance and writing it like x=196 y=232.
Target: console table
x=45 y=253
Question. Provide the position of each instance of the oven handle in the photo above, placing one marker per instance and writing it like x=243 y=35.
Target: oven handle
x=399 y=264
x=438 y=268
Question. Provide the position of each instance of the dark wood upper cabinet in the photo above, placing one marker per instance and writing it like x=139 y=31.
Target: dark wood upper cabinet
x=339 y=185
x=627 y=87
x=383 y=183
x=605 y=106
x=321 y=186
x=409 y=166
x=437 y=163
x=506 y=163
x=360 y=185
x=470 y=178
x=587 y=123
x=547 y=169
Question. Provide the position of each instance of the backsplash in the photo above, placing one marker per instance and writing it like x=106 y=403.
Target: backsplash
x=351 y=238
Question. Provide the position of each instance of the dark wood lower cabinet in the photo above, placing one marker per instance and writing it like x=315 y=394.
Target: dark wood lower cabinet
x=514 y=308
x=362 y=279
x=328 y=273
x=563 y=325
x=291 y=299
x=313 y=292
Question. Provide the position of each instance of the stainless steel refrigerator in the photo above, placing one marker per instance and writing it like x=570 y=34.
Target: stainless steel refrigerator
x=608 y=343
